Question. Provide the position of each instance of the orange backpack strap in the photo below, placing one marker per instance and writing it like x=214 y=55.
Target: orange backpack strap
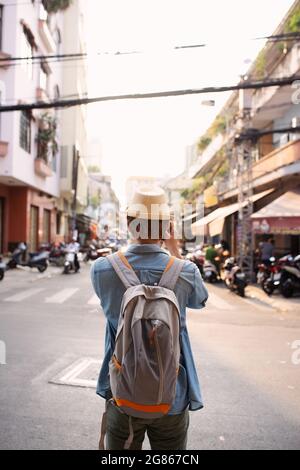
x=123 y=269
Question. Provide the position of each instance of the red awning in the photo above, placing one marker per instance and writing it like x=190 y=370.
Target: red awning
x=282 y=216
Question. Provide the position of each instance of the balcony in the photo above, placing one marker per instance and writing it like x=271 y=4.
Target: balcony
x=3 y=148
x=4 y=64
x=41 y=168
x=280 y=163
x=278 y=159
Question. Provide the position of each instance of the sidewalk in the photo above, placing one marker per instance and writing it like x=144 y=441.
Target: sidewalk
x=276 y=301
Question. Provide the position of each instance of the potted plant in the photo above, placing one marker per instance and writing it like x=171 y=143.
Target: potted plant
x=46 y=137
x=53 y=6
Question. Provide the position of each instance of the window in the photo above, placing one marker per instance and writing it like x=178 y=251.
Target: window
x=1 y=26
x=25 y=131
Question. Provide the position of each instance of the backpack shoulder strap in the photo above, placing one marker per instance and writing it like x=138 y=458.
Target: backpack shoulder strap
x=172 y=273
x=123 y=269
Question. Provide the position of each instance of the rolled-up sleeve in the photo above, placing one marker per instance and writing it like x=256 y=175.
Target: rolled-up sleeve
x=199 y=294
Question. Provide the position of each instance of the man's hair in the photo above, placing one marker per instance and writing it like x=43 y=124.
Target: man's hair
x=142 y=229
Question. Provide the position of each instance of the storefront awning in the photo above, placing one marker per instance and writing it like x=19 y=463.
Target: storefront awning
x=282 y=216
x=287 y=205
x=216 y=219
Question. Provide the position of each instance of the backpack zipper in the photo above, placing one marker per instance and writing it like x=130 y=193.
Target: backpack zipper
x=160 y=365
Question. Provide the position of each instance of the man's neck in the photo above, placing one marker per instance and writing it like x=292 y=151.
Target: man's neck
x=147 y=242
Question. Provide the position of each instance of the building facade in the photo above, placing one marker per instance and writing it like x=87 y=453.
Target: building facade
x=29 y=164
x=275 y=156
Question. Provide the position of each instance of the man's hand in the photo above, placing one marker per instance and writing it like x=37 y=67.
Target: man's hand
x=171 y=243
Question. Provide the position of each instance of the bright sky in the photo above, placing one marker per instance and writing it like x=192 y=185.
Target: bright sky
x=149 y=137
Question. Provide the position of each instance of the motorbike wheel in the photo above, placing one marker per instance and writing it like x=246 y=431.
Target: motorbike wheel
x=12 y=264
x=268 y=287
x=42 y=268
x=67 y=270
x=287 y=290
x=1 y=275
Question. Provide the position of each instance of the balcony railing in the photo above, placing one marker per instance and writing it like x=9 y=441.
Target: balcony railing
x=43 y=161
x=276 y=160
x=283 y=156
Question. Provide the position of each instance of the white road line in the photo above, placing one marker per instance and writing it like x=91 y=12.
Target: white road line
x=61 y=296
x=217 y=302
x=23 y=295
x=94 y=300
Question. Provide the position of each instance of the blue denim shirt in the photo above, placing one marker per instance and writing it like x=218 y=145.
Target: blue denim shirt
x=149 y=262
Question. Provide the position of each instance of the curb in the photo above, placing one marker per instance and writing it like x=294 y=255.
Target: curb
x=276 y=302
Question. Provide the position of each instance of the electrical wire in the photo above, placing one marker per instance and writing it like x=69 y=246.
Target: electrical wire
x=77 y=56
x=160 y=94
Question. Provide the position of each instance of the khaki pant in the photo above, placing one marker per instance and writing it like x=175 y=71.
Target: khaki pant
x=166 y=433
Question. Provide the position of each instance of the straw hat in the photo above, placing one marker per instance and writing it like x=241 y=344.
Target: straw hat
x=149 y=203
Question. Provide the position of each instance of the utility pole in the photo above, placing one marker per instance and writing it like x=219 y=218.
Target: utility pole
x=76 y=158
x=244 y=149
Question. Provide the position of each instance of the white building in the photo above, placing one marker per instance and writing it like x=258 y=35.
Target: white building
x=29 y=172
x=74 y=174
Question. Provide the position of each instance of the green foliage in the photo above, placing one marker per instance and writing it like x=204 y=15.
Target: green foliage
x=217 y=127
x=203 y=143
x=260 y=64
x=293 y=25
x=46 y=136
x=94 y=169
x=95 y=201
x=53 y=6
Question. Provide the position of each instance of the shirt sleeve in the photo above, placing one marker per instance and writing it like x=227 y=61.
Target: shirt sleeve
x=199 y=294
x=95 y=278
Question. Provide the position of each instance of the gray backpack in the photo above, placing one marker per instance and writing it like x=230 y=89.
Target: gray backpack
x=145 y=364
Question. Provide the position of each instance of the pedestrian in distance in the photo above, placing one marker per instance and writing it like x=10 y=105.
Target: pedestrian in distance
x=148 y=376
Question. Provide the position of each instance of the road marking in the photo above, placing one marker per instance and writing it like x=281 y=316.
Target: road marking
x=94 y=300
x=82 y=373
x=23 y=295
x=61 y=296
x=217 y=302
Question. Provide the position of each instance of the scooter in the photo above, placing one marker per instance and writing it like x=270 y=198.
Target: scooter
x=210 y=272
x=234 y=277
x=70 y=264
x=290 y=279
x=2 y=269
x=94 y=253
x=35 y=260
x=198 y=258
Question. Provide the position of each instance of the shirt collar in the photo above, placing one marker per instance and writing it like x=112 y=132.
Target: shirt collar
x=136 y=248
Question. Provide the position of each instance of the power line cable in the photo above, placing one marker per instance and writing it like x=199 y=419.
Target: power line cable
x=77 y=56
x=160 y=94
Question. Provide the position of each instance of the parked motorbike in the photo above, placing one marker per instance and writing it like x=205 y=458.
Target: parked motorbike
x=210 y=272
x=34 y=260
x=198 y=258
x=2 y=269
x=57 y=254
x=234 y=277
x=94 y=253
x=290 y=278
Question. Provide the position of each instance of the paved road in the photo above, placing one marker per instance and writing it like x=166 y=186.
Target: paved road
x=53 y=330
